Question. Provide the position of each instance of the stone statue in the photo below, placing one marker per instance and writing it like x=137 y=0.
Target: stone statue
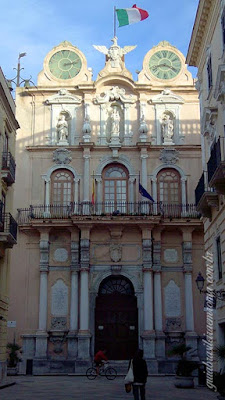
x=167 y=127
x=115 y=122
x=115 y=52
x=62 y=128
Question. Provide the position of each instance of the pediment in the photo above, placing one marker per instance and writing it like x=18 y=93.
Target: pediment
x=63 y=97
x=167 y=96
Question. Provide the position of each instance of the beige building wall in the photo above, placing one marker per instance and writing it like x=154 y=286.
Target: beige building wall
x=8 y=226
x=208 y=43
x=69 y=248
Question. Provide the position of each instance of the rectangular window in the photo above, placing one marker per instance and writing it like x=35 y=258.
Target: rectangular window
x=209 y=72
x=6 y=143
x=219 y=257
x=223 y=28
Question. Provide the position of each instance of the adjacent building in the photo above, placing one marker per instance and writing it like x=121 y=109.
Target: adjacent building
x=98 y=263
x=8 y=226
x=206 y=51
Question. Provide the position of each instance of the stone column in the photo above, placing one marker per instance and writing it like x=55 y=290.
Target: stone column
x=47 y=198
x=148 y=331
x=41 y=336
x=154 y=194
x=74 y=300
x=160 y=336
x=76 y=195
x=191 y=337
x=86 y=178
x=99 y=199
x=144 y=180
x=127 y=133
x=86 y=181
x=183 y=195
x=84 y=332
x=131 y=195
x=102 y=138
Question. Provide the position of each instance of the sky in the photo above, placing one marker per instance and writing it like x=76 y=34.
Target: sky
x=36 y=26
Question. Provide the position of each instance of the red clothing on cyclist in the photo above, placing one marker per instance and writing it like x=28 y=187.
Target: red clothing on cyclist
x=99 y=356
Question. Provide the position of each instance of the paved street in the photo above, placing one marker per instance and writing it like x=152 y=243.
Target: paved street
x=76 y=387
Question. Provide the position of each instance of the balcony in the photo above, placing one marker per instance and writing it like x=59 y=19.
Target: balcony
x=108 y=209
x=216 y=166
x=8 y=230
x=8 y=168
x=205 y=199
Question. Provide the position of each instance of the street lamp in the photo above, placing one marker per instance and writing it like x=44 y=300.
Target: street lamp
x=200 y=281
x=18 y=80
x=218 y=294
x=19 y=69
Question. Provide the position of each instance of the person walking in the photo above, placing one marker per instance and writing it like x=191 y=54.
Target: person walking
x=140 y=372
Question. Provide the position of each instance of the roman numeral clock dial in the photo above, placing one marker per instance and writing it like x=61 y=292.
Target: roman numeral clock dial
x=65 y=64
x=165 y=64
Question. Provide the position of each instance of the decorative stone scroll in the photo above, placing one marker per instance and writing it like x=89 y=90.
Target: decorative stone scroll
x=60 y=255
x=62 y=156
x=173 y=324
x=58 y=323
x=169 y=156
x=170 y=255
x=115 y=252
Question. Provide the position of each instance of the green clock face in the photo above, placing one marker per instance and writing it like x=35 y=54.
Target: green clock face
x=65 y=64
x=164 y=64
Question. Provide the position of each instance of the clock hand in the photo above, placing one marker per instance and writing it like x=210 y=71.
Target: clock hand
x=164 y=65
x=71 y=62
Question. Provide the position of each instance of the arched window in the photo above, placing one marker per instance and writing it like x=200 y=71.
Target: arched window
x=62 y=188
x=115 y=184
x=169 y=189
x=116 y=284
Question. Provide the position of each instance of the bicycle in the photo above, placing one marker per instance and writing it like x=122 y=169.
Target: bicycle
x=109 y=372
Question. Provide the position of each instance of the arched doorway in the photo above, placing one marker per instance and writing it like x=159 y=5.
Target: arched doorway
x=116 y=318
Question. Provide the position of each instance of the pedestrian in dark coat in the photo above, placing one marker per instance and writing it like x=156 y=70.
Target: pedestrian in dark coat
x=140 y=375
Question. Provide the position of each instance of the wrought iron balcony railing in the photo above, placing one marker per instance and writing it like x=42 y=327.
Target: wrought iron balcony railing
x=215 y=159
x=216 y=166
x=200 y=189
x=8 y=225
x=8 y=167
x=103 y=209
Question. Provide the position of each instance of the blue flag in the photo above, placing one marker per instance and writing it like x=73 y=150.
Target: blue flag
x=144 y=193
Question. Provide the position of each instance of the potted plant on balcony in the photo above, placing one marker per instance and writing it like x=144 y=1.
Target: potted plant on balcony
x=14 y=357
x=219 y=377
x=185 y=367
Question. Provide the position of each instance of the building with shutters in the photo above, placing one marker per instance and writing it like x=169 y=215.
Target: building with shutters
x=206 y=51
x=8 y=225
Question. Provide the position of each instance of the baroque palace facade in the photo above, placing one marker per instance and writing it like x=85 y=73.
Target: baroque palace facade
x=8 y=225
x=97 y=264
x=207 y=52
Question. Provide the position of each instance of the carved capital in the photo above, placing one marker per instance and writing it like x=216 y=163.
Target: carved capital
x=84 y=253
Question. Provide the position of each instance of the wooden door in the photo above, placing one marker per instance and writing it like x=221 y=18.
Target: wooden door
x=116 y=323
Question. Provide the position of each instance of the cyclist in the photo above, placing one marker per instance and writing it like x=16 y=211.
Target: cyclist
x=100 y=359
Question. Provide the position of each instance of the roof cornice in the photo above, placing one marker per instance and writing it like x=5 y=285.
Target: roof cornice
x=199 y=30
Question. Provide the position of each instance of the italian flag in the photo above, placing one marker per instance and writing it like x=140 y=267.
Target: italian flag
x=127 y=16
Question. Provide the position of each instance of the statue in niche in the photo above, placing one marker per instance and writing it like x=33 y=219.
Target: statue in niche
x=167 y=128
x=115 y=122
x=62 y=128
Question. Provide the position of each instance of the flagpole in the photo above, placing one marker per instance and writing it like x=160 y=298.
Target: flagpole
x=114 y=25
